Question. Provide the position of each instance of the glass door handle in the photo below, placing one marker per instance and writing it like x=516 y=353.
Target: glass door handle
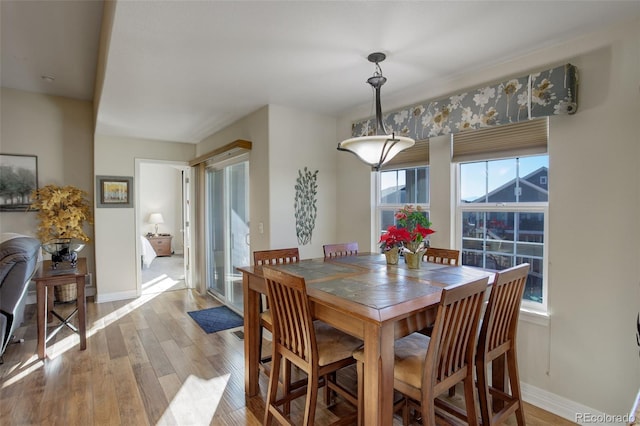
x=247 y=239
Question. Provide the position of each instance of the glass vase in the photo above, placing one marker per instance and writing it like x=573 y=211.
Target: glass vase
x=63 y=250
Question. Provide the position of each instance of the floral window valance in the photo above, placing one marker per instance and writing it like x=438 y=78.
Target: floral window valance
x=542 y=94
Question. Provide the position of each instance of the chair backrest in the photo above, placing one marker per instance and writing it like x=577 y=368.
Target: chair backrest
x=442 y=256
x=342 y=249
x=275 y=257
x=454 y=337
x=293 y=327
x=500 y=322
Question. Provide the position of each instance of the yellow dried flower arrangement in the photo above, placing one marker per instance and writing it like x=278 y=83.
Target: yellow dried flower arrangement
x=62 y=212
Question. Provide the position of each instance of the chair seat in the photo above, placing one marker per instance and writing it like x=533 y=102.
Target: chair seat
x=267 y=320
x=410 y=352
x=333 y=344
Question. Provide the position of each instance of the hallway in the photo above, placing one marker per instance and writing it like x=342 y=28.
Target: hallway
x=164 y=274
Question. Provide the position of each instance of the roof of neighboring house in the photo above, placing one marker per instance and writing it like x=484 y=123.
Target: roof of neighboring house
x=530 y=181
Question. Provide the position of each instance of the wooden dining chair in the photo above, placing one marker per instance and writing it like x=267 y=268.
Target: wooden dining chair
x=276 y=256
x=341 y=249
x=442 y=256
x=316 y=348
x=425 y=367
x=271 y=257
x=497 y=338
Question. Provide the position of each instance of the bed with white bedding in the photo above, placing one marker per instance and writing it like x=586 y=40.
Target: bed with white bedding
x=148 y=253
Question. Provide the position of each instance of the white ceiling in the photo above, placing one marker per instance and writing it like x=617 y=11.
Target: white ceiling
x=182 y=70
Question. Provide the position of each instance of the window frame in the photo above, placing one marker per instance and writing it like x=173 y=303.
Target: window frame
x=379 y=207
x=536 y=308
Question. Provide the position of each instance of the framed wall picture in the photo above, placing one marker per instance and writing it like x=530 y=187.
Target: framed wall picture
x=114 y=191
x=18 y=178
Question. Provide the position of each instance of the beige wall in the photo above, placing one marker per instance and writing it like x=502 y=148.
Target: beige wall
x=354 y=198
x=59 y=131
x=586 y=356
x=299 y=139
x=116 y=238
x=442 y=210
x=285 y=141
x=593 y=208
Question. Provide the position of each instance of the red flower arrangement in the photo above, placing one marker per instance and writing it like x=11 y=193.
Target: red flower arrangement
x=411 y=230
x=394 y=237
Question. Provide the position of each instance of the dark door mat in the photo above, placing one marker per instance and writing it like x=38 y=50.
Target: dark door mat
x=216 y=319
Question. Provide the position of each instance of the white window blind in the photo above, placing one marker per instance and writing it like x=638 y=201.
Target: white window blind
x=417 y=155
x=510 y=140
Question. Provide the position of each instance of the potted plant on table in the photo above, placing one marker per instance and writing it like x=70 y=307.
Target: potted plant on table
x=409 y=235
x=391 y=242
x=62 y=214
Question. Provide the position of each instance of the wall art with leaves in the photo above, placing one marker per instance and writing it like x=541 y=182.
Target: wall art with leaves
x=305 y=206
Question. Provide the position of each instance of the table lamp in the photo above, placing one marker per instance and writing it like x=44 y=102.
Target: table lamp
x=155 y=219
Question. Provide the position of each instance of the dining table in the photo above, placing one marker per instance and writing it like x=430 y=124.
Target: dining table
x=363 y=296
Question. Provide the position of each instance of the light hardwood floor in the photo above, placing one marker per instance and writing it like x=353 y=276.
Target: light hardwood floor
x=147 y=362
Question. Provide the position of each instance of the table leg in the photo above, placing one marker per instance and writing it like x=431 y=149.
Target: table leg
x=251 y=301
x=50 y=296
x=82 y=309
x=41 y=300
x=378 y=374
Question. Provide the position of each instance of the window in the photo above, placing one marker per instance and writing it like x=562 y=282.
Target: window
x=503 y=208
x=397 y=188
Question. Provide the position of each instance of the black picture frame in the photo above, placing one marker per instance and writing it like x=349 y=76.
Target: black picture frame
x=114 y=191
x=18 y=179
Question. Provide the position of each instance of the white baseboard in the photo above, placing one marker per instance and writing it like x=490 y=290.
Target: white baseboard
x=31 y=296
x=112 y=297
x=567 y=409
x=90 y=290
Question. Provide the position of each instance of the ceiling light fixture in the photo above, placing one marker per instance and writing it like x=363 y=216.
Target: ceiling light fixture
x=377 y=149
x=48 y=78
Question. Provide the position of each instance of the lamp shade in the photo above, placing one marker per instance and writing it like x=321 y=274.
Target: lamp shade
x=377 y=149
x=156 y=218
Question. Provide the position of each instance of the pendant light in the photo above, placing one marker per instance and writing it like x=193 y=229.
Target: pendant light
x=377 y=149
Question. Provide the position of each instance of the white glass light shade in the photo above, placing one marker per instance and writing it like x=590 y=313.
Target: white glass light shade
x=378 y=149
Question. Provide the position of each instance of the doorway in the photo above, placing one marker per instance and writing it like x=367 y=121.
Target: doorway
x=227 y=229
x=162 y=226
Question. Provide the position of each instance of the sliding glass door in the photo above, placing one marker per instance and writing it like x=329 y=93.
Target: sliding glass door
x=227 y=242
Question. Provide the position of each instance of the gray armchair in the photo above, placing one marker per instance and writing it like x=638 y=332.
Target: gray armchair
x=19 y=258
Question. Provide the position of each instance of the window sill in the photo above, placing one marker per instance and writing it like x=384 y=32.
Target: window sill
x=534 y=317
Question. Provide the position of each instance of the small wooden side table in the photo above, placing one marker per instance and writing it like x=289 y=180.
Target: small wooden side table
x=161 y=244
x=46 y=277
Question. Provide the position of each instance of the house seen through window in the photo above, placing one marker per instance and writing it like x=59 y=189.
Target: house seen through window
x=503 y=207
x=400 y=187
